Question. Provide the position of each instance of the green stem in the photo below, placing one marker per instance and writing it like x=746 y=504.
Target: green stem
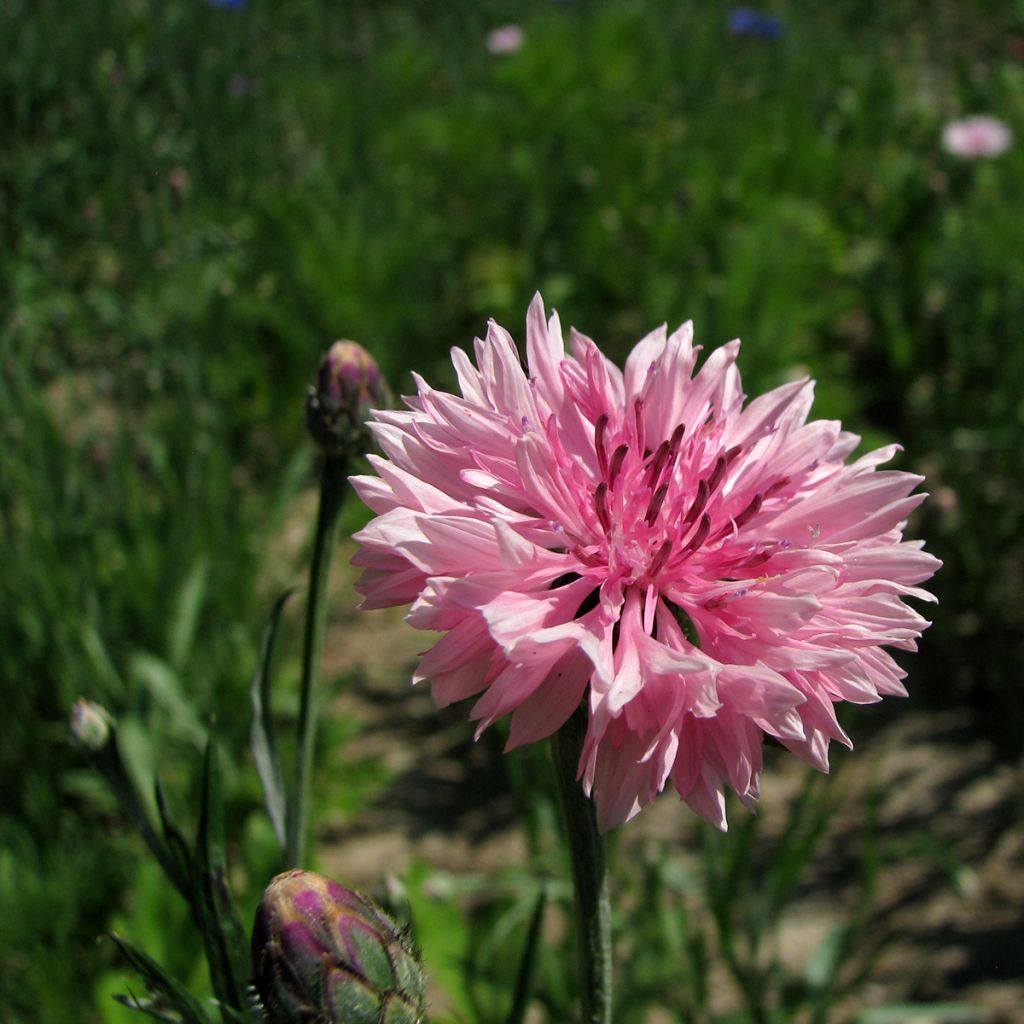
x=589 y=874
x=333 y=487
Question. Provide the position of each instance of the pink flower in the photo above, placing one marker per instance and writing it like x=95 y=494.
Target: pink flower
x=700 y=571
x=178 y=179
x=506 y=39
x=976 y=137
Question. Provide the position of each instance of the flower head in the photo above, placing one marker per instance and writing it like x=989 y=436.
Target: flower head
x=746 y=22
x=348 y=385
x=325 y=953
x=701 y=570
x=90 y=725
x=505 y=39
x=976 y=137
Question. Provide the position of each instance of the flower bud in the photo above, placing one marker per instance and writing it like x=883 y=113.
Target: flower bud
x=90 y=725
x=324 y=953
x=348 y=385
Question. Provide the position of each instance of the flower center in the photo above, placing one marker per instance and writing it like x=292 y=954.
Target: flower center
x=653 y=510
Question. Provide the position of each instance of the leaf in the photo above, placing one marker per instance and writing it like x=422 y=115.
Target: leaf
x=824 y=963
x=173 y=996
x=149 y=1006
x=164 y=685
x=106 y=677
x=926 y=1013
x=179 y=854
x=227 y=947
x=123 y=785
x=252 y=1014
x=185 y=615
x=442 y=933
x=262 y=740
x=528 y=963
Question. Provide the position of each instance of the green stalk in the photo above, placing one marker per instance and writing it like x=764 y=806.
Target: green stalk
x=589 y=874
x=333 y=487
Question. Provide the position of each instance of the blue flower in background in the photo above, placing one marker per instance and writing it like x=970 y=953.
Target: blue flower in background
x=744 y=21
x=228 y=5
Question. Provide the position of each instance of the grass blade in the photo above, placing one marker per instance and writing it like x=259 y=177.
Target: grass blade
x=262 y=737
x=227 y=947
x=185 y=615
x=528 y=963
x=179 y=854
x=172 y=996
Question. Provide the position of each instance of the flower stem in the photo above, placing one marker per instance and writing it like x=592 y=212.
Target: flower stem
x=333 y=487
x=589 y=874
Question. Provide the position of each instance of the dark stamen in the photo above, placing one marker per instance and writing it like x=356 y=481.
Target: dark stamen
x=717 y=473
x=657 y=464
x=655 y=506
x=601 y=505
x=602 y=456
x=677 y=437
x=660 y=558
x=702 y=531
x=777 y=486
x=638 y=415
x=616 y=464
x=750 y=511
x=703 y=491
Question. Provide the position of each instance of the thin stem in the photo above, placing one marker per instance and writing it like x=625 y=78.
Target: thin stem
x=589 y=874
x=333 y=487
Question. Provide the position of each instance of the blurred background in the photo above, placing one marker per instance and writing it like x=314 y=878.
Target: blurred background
x=197 y=196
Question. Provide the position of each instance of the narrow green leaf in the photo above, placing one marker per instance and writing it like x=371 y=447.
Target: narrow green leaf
x=172 y=996
x=252 y=1014
x=528 y=963
x=185 y=615
x=106 y=677
x=927 y=1013
x=177 y=846
x=164 y=685
x=823 y=964
x=149 y=1006
x=227 y=947
x=262 y=737
x=110 y=764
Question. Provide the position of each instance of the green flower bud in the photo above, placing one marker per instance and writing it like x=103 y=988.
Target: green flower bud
x=90 y=725
x=323 y=953
x=348 y=385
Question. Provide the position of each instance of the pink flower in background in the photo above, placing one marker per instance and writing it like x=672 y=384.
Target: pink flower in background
x=976 y=137
x=178 y=179
x=700 y=571
x=506 y=39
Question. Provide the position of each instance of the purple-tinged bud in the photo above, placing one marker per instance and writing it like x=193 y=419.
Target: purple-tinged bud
x=348 y=386
x=90 y=725
x=324 y=953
